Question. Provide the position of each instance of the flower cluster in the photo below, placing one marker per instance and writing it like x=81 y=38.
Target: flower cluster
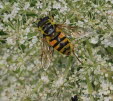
x=28 y=72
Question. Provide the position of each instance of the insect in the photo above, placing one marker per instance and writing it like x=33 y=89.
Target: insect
x=75 y=98
x=54 y=36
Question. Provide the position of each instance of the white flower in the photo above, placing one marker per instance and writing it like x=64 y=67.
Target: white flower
x=67 y=21
x=94 y=40
x=111 y=87
x=37 y=62
x=6 y=56
x=39 y=5
x=4 y=98
x=31 y=45
x=1 y=6
x=80 y=23
x=22 y=41
x=112 y=1
x=108 y=42
x=6 y=17
x=63 y=9
x=75 y=0
x=106 y=75
x=2 y=62
x=109 y=12
x=11 y=41
x=14 y=11
x=85 y=20
x=21 y=78
x=30 y=67
x=95 y=82
x=44 y=12
x=45 y=78
x=106 y=92
x=27 y=30
x=86 y=98
x=59 y=82
x=106 y=0
x=56 y=5
x=111 y=68
x=104 y=86
x=12 y=79
x=34 y=40
x=1 y=26
x=26 y=5
x=107 y=99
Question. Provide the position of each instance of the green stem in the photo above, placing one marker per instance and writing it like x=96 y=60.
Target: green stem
x=90 y=88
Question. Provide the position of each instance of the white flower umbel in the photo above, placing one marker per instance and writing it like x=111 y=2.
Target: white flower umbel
x=34 y=40
x=45 y=79
x=1 y=6
x=24 y=73
x=80 y=23
x=94 y=40
x=67 y=21
x=11 y=41
x=39 y=5
x=56 y=5
x=26 y=5
x=14 y=11
x=1 y=26
x=59 y=82
x=108 y=42
x=6 y=17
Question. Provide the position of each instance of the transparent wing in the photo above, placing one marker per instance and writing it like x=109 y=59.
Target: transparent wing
x=73 y=31
x=46 y=53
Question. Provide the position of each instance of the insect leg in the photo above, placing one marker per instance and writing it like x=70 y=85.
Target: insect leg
x=42 y=54
x=76 y=56
x=51 y=51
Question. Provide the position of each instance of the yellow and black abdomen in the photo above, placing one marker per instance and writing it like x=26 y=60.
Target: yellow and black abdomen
x=61 y=43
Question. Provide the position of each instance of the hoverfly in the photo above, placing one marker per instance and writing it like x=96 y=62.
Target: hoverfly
x=54 y=36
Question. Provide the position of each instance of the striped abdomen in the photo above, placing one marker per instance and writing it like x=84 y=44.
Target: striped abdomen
x=61 y=43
